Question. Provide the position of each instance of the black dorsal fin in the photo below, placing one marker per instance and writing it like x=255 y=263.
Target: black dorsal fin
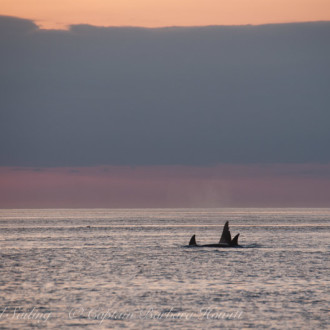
x=193 y=240
x=225 y=237
x=234 y=241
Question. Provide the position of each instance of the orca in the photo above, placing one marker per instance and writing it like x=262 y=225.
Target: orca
x=225 y=240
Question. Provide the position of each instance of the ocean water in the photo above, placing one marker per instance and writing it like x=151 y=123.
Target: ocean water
x=132 y=269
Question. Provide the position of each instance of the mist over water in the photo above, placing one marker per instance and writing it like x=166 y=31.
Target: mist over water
x=132 y=269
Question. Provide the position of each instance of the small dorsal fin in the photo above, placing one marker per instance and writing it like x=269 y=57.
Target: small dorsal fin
x=234 y=241
x=193 y=240
x=225 y=237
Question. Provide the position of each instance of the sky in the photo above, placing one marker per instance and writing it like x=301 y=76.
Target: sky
x=155 y=13
x=98 y=114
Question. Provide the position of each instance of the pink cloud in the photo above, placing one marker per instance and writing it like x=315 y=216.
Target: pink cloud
x=296 y=185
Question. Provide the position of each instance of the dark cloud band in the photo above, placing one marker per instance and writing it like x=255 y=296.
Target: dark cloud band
x=193 y=96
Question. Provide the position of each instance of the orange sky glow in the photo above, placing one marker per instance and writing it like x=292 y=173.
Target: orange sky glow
x=59 y=14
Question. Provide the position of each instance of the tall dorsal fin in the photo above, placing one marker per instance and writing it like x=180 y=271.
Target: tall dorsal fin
x=234 y=241
x=193 y=240
x=225 y=237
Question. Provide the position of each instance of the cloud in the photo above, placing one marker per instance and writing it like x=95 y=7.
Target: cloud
x=16 y=26
x=135 y=96
x=284 y=185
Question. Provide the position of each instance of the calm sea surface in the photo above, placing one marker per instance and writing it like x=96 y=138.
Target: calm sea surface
x=103 y=268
